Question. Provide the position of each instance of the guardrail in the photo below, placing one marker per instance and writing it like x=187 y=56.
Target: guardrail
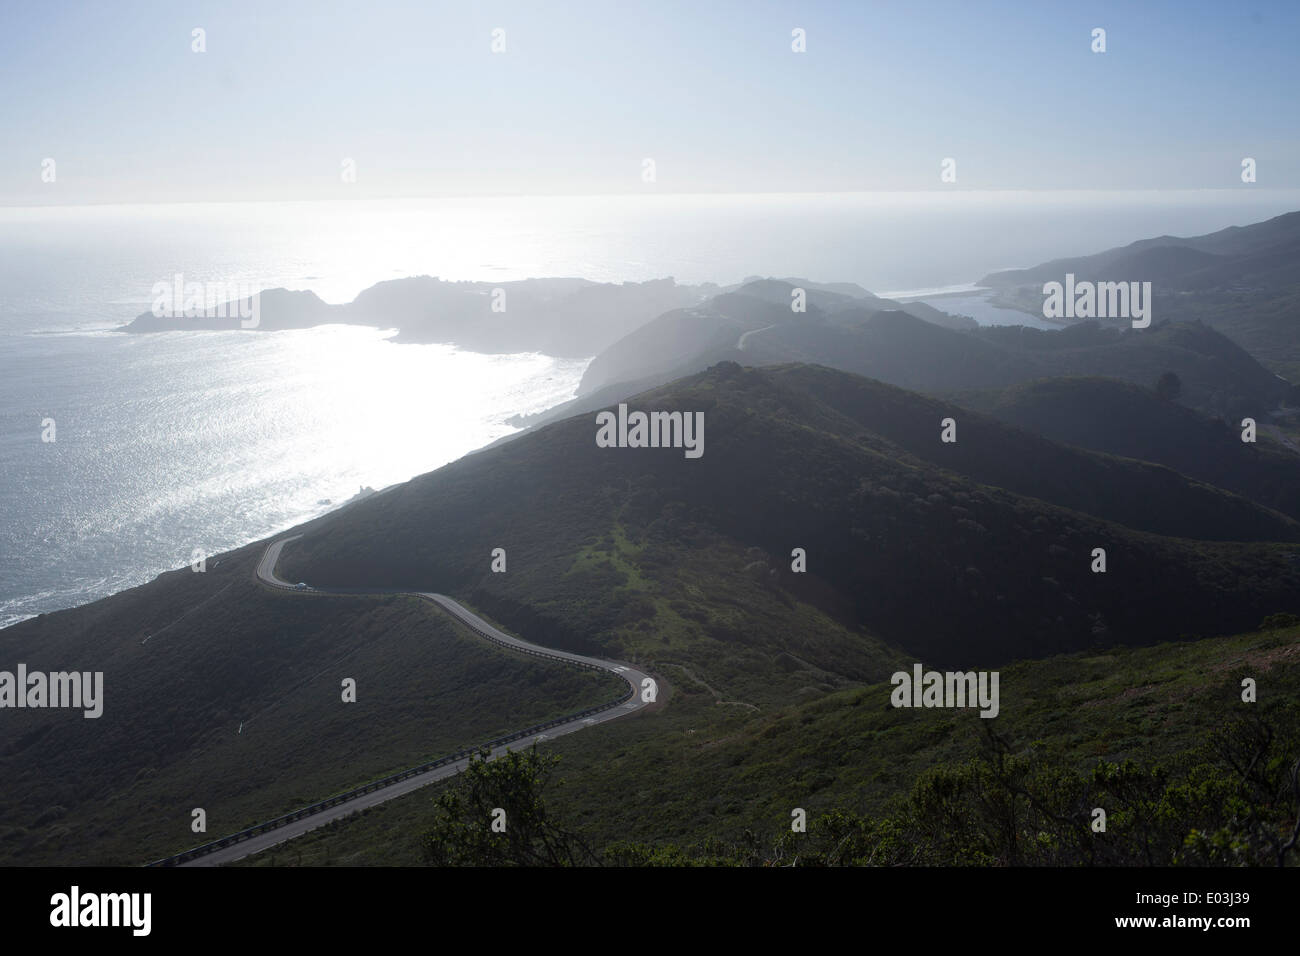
x=463 y=754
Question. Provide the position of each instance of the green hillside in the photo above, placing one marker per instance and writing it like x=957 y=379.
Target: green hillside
x=1157 y=736
x=224 y=695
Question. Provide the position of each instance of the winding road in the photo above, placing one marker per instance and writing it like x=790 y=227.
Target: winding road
x=310 y=820
x=740 y=342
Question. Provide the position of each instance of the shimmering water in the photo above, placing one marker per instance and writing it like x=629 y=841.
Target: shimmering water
x=168 y=443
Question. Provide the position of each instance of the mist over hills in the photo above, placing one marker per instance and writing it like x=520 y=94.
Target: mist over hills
x=557 y=316
x=742 y=324
x=1244 y=281
x=1224 y=323
x=1219 y=377
x=562 y=317
x=1216 y=297
x=1264 y=253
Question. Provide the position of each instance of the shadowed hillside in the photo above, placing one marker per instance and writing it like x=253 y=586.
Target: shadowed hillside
x=1219 y=377
x=1123 y=419
x=622 y=549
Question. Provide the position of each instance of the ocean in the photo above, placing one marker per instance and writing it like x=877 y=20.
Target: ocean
x=178 y=441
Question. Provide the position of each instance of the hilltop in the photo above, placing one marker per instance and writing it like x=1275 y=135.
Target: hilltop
x=966 y=552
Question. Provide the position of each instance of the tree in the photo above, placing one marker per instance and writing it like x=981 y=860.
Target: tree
x=1169 y=386
x=463 y=833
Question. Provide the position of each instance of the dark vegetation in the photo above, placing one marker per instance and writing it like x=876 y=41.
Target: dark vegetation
x=508 y=796
x=1159 y=738
x=1234 y=801
x=634 y=550
x=1117 y=418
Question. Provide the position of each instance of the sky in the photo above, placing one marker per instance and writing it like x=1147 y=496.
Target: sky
x=583 y=94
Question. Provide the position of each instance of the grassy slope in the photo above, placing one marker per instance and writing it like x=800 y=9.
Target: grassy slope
x=699 y=769
x=120 y=789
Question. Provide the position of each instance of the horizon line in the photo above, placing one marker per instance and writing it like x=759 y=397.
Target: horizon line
x=647 y=194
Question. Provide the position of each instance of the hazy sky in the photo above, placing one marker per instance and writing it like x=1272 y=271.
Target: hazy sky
x=584 y=92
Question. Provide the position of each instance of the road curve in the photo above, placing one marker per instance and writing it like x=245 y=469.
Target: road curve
x=740 y=342
x=310 y=821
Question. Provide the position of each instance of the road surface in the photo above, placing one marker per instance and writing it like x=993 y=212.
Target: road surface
x=266 y=574
x=740 y=342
